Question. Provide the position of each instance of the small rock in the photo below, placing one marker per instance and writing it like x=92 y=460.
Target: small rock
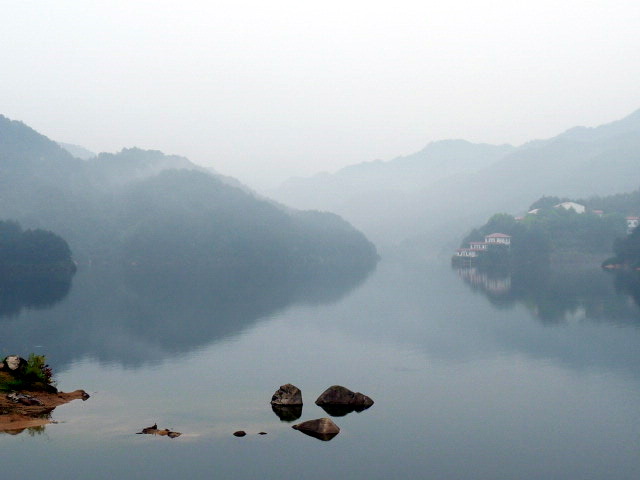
x=287 y=395
x=239 y=433
x=153 y=430
x=262 y=433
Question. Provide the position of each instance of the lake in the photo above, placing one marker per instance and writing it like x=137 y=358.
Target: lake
x=474 y=376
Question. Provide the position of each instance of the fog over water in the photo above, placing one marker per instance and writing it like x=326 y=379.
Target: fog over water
x=265 y=92
x=463 y=389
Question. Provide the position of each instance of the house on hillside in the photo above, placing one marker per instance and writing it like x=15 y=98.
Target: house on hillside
x=498 y=239
x=632 y=223
x=576 y=207
x=466 y=253
x=481 y=246
x=468 y=256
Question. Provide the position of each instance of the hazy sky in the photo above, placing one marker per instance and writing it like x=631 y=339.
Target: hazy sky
x=265 y=90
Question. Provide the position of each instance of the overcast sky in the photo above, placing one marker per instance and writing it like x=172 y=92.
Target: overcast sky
x=269 y=89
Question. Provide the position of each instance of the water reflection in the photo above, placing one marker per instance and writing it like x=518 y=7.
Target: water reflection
x=12 y=424
x=325 y=437
x=628 y=282
x=341 y=410
x=557 y=295
x=37 y=292
x=287 y=413
x=132 y=316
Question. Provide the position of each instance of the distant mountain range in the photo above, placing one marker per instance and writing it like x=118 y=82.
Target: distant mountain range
x=431 y=198
x=435 y=162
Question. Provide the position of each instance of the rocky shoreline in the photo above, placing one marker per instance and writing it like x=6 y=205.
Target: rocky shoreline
x=29 y=409
x=28 y=394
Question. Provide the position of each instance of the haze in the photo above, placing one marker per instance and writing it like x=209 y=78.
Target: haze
x=264 y=91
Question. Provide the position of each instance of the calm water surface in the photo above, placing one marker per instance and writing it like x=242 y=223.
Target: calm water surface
x=474 y=377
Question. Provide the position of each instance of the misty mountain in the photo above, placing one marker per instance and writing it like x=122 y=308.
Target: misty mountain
x=77 y=151
x=151 y=210
x=355 y=183
x=580 y=162
x=132 y=164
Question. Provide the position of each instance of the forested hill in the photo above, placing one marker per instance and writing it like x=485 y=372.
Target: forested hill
x=566 y=229
x=141 y=208
x=27 y=252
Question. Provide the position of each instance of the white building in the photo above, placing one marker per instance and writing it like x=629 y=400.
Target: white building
x=498 y=239
x=478 y=245
x=466 y=252
x=576 y=207
x=632 y=223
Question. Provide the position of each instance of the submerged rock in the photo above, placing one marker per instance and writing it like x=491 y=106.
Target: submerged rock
x=341 y=400
x=320 y=428
x=287 y=395
x=239 y=433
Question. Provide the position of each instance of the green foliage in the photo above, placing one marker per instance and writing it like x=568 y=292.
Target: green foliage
x=627 y=250
x=37 y=369
x=624 y=204
x=547 y=202
x=35 y=374
x=536 y=236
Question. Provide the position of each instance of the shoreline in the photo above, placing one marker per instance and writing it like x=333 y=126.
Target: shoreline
x=16 y=417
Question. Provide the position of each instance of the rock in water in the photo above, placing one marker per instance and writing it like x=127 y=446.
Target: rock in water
x=338 y=395
x=321 y=428
x=239 y=433
x=153 y=430
x=287 y=395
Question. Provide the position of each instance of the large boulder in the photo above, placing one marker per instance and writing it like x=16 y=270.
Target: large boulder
x=321 y=428
x=287 y=395
x=344 y=399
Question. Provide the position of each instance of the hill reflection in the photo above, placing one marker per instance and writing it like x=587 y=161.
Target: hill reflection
x=32 y=292
x=556 y=295
x=133 y=316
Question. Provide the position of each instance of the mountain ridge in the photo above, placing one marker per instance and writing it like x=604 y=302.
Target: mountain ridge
x=146 y=208
x=579 y=162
